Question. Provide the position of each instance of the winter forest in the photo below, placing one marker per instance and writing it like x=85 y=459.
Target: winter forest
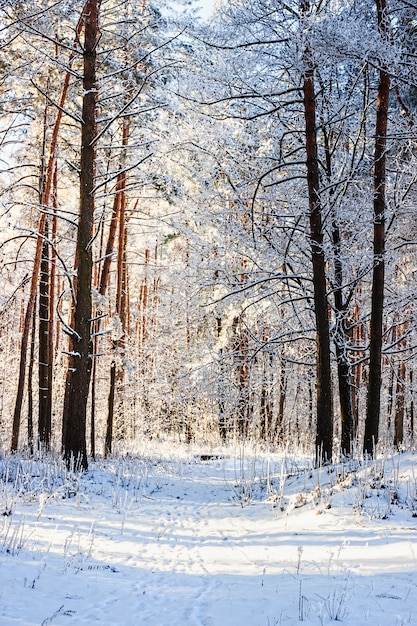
x=208 y=318
x=208 y=228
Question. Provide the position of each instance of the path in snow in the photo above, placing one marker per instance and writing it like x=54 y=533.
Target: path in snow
x=170 y=545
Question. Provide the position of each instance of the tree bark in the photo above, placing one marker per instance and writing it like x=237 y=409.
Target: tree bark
x=283 y=384
x=399 y=406
x=44 y=425
x=119 y=219
x=411 y=408
x=373 y=404
x=342 y=339
x=52 y=291
x=80 y=360
x=324 y=427
x=341 y=334
x=30 y=387
x=221 y=395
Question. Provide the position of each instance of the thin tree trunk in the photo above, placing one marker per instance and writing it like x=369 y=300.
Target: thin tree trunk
x=399 y=406
x=221 y=396
x=93 y=410
x=411 y=376
x=283 y=382
x=110 y=411
x=359 y=371
x=52 y=291
x=240 y=354
x=373 y=404
x=96 y=330
x=80 y=359
x=399 y=411
x=116 y=376
x=265 y=410
x=101 y=278
x=44 y=417
x=390 y=401
x=341 y=335
x=108 y=257
x=30 y=388
x=264 y=425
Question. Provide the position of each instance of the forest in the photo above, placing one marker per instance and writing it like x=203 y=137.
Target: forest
x=207 y=226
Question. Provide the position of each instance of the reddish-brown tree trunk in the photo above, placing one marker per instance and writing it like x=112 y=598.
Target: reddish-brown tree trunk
x=411 y=408
x=80 y=359
x=30 y=387
x=44 y=402
x=399 y=406
x=52 y=291
x=116 y=376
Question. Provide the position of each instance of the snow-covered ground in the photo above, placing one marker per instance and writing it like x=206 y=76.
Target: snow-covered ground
x=240 y=538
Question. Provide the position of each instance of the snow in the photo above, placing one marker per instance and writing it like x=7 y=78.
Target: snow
x=182 y=537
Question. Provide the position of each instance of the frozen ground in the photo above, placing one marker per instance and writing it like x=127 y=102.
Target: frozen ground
x=174 y=538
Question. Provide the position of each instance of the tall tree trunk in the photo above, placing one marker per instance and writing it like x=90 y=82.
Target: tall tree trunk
x=30 y=387
x=373 y=404
x=103 y=284
x=44 y=417
x=399 y=406
x=52 y=291
x=399 y=411
x=324 y=427
x=342 y=340
x=359 y=371
x=43 y=330
x=93 y=409
x=243 y=408
x=266 y=407
x=341 y=334
x=221 y=395
x=80 y=358
x=283 y=384
x=108 y=444
x=411 y=408
x=119 y=219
